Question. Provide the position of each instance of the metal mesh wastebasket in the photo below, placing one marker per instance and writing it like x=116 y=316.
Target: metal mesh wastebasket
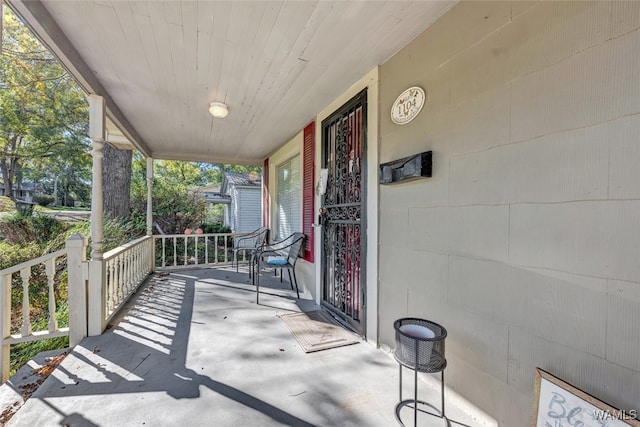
x=420 y=347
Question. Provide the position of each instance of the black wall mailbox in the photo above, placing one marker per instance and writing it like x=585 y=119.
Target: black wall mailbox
x=406 y=169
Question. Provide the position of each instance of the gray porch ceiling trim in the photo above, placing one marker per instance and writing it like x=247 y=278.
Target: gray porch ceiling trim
x=37 y=17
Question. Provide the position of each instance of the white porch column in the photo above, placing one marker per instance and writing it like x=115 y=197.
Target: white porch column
x=149 y=196
x=152 y=261
x=96 y=133
x=97 y=288
x=5 y=326
x=76 y=258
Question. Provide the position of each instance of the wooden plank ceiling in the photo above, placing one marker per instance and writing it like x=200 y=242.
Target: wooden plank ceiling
x=276 y=64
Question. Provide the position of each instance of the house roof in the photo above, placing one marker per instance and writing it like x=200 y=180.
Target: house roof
x=241 y=180
x=276 y=64
x=25 y=186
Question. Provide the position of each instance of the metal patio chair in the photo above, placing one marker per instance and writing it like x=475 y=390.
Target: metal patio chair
x=248 y=243
x=284 y=255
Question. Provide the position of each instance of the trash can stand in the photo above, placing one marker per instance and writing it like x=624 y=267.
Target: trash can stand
x=420 y=347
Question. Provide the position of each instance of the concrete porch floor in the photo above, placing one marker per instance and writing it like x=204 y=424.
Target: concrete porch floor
x=192 y=348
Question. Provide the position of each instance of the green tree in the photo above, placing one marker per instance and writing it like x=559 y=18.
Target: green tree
x=218 y=170
x=43 y=114
x=176 y=203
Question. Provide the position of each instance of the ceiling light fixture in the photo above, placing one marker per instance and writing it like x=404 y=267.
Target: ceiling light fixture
x=218 y=110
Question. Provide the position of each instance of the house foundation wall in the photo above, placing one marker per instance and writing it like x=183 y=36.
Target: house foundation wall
x=525 y=242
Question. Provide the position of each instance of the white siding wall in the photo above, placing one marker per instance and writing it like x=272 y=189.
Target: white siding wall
x=249 y=215
x=525 y=243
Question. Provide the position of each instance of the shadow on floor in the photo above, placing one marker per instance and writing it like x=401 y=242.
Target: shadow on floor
x=146 y=351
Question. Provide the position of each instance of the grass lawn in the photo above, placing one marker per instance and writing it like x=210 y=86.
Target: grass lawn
x=6 y=205
x=67 y=208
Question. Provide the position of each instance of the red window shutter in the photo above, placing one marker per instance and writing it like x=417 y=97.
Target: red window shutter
x=265 y=193
x=308 y=193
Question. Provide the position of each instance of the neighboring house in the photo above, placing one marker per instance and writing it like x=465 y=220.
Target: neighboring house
x=244 y=212
x=24 y=192
x=213 y=196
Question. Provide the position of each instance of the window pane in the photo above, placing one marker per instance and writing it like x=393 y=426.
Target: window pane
x=289 y=198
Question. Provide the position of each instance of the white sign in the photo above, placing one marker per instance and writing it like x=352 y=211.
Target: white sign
x=408 y=105
x=562 y=405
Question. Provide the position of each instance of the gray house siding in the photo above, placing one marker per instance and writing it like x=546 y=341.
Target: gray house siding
x=248 y=209
x=525 y=242
x=244 y=213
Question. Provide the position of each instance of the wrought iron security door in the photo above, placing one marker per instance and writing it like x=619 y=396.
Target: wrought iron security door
x=343 y=211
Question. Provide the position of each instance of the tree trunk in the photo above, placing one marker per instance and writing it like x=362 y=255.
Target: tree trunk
x=116 y=180
x=8 y=166
x=4 y=171
x=55 y=191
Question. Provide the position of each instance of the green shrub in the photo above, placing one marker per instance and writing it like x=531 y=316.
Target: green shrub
x=7 y=205
x=23 y=230
x=43 y=199
x=12 y=254
x=116 y=232
x=214 y=227
x=175 y=208
x=28 y=238
x=23 y=352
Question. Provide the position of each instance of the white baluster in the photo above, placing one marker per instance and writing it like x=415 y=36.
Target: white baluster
x=50 y=268
x=226 y=255
x=186 y=243
x=215 y=248
x=116 y=288
x=195 y=250
x=110 y=284
x=5 y=325
x=132 y=272
x=134 y=266
x=117 y=281
x=175 y=251
x=129 y=274
x=26 y=321
x=138 y=263
x=164 y=263
x=140 y=266
x=143 y=256
x=150 y=255
x=144 y=266
x=122 y=280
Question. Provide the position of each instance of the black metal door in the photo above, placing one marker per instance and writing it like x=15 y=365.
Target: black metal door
x=343 y=211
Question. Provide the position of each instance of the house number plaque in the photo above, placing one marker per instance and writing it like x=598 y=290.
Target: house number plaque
x=408 y=105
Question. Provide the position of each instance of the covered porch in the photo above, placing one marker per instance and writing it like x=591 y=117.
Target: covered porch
x=523 y=241
x=193 y=348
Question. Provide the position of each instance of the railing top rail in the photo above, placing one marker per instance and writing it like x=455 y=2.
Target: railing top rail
x=170 y=236
x=33 y=262
x=123 y=248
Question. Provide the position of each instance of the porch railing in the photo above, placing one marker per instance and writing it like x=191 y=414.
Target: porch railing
x=49 y=268
x=97 y=289
x=180 y=250
x=126 y=268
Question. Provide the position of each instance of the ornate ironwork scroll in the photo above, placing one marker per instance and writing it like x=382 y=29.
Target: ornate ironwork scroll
x=344 y=143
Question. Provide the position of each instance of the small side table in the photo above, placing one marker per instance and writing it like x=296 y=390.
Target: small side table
x=420 y=347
